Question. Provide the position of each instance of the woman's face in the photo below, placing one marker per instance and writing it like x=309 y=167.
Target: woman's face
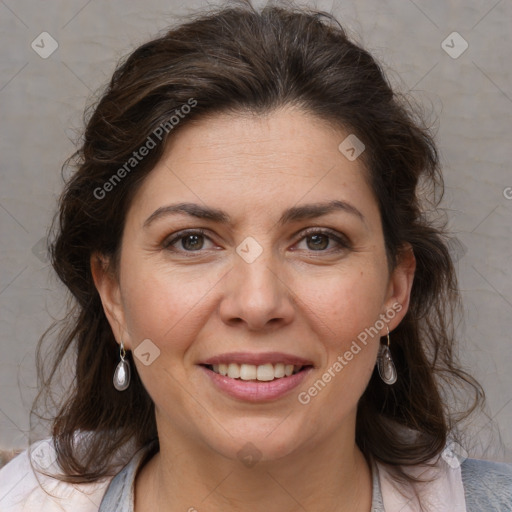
x=274 y=276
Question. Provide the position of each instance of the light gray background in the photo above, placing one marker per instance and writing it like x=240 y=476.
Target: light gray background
x=41 y=104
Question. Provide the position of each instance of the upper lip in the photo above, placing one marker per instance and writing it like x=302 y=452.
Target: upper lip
x=257 y=359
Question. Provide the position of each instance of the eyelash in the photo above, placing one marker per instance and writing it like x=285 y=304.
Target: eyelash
x=340 y=240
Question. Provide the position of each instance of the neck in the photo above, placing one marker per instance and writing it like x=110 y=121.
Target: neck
x=322 y=477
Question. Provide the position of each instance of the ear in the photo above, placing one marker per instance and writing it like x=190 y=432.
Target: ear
x=107 y=284
x=400 y=286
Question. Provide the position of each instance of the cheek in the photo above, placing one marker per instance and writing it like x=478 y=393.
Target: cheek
x=163 y=304
x=169 y=309
x=343 y=312
x=344 y=303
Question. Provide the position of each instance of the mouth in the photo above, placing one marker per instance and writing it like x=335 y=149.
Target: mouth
x=256 y=377
x=256 y=373
x=256 y=383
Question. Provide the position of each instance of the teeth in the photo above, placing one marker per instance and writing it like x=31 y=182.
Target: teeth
x=264 y=372
x=234 y=371
x=279 y=370
x=248 y=372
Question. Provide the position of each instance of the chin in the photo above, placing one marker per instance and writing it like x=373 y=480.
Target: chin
x=267 y=442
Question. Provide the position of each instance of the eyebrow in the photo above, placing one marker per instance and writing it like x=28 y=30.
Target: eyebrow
x=296 y=213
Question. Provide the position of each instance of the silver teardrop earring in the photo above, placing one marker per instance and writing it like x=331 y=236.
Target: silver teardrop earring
x=122 y=373
x=385 y=365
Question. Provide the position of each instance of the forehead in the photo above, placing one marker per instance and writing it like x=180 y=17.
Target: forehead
x=256 y=162
x=284 y=139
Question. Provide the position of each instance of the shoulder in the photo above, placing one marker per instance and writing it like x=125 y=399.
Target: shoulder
x=487 y=485
x=25 y=488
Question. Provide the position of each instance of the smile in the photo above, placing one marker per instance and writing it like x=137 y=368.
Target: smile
x=263 y=373
x=256 y=383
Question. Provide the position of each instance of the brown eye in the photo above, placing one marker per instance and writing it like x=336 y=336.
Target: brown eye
x=186 y=241
x=320 y=240
x=192 y=242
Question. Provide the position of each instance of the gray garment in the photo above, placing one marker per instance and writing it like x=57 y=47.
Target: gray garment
x=487 y=485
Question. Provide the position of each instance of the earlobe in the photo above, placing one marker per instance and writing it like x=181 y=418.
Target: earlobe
x=400 y=285
x=107 y=286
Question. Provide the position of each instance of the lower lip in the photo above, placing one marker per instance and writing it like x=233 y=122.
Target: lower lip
x=252 y=391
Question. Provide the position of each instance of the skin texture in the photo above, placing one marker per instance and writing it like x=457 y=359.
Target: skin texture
x=303 y=296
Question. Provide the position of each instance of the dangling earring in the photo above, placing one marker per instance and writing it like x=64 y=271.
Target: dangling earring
x=385 y=365
x=122 y=373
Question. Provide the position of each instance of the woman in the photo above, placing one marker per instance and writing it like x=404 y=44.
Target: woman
x=263 y=310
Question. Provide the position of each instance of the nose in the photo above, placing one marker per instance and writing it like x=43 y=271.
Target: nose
x=257 y=296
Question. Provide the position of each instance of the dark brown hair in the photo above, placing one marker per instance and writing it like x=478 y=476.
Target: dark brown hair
x=235 y=59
